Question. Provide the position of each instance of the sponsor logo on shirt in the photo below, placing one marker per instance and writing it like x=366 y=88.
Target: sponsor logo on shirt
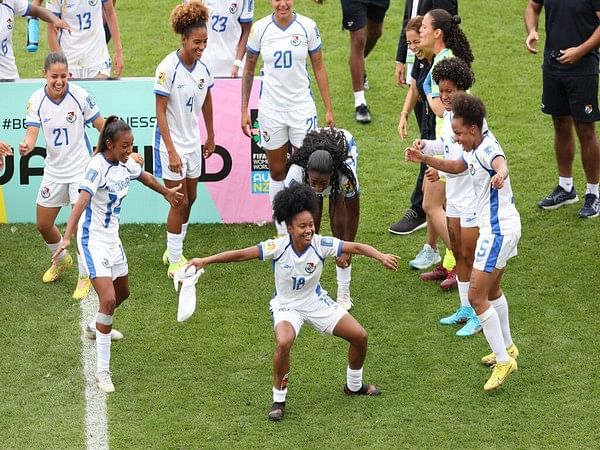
x=310 y=267
x=71 y=117
x=233 y=8
x=327 y=242
x=91 y=175
x=296 y=39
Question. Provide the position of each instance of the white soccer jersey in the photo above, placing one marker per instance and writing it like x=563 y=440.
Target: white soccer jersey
x=224 y=31
x=297 y=276
x=68 y=149
x=8 y=10
x=187 y=91
x=285 y=85
x=496 y=211
x=296 y=173
x=85 y=47
x=108 y=184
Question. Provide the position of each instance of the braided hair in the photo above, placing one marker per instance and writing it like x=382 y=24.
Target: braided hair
x=312 y=155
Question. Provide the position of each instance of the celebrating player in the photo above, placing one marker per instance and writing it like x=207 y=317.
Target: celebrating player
x=298 y=260
x=327 y=162
x=182 y=90
x=499 y=228
x=62 y=110
x=287 y=110
x=101 y=193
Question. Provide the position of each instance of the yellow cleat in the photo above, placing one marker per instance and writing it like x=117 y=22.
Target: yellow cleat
x=500 y=374
x=54 y=271
x=174 y=267
x=490 y=360
x=83 y=288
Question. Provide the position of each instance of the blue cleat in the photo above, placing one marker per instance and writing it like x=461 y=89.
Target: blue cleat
x=471 y=328
x=462 y=314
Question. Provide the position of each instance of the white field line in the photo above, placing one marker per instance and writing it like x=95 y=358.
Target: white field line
x=96 y=424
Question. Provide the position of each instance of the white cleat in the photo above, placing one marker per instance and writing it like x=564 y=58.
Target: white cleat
x=104 y=381
x=90 y=333
x=345 y=301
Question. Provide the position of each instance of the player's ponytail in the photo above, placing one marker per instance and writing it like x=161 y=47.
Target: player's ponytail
x=453 y=36
x=187 y=16
x=112 y=127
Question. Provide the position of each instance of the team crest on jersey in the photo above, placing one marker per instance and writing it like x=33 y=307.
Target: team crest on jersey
x=9 y=24
x=93 y=2
x=71 y=117
x=162 y=77
x=105 y=263
x=310 y=267
x=588 y=109
x=45 y=192
x=201 y=82
x=233 y=8
x=296 y=39
x=471 y=169
x=265 y=136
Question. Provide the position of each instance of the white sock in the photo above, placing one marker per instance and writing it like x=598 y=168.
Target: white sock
x=92 y=324
x=174 y=247
x=354 y=379
x=493 y=334
x=566 y=183
x=83 y=270
x=274 y=188
x=463 y=293
x=592 y=189
x=359 y=98
x=54 y=247
x=501 y=307
x=184 y=228
x=103 y=351
x=343 y=279
x=279 y=396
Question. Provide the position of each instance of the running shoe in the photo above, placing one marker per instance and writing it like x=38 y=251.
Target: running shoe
x=558 y=197
x=426 y=258
x=591 y=207
x=277 y=410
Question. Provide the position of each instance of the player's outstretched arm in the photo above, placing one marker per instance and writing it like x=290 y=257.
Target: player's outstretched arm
x=243 y=254
x=80 y=205
x=172 y=195
x=388 y=260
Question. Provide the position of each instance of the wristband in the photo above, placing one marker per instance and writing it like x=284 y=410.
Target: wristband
x=238 y=63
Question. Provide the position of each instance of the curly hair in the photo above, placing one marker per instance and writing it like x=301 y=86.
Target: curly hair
x=187 y=16
x=332 y=141
x=455 y=70
x=468 y=108
x=454 y=38
x=292 y=201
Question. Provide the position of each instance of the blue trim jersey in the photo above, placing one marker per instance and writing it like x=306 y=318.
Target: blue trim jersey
x=85 y=46
x=296 y=173
x=298 y=276
x=496 y=211
x=224 y=32
x=186 y=89
x=68 y=149
x=108 y=183
x=285 y=84
x=8 y=10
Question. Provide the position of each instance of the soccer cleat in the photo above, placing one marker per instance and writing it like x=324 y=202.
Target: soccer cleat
x=500 y=374
x=90 y=333
x=83 y=288
x=591 y=207
x=490 y=360
x=558 y=197
x=471 y=328
x=366 y=389
x=166 y=257
x=174 y=267
x=362 y=114
x=55 y=270
x=461 y=315
x=104 y=381
x=409 y=223
x=426 y=258
x=450 y=282
x=277 y=410
x=439 y=273
x=345 y=301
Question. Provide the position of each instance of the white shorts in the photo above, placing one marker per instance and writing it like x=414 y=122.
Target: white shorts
x=494 y=250
x=91 y=72
x=468 y=219
x=57 y=195
x=278 y=127
x=103 y=261
x=192 y=166
x=323 y=315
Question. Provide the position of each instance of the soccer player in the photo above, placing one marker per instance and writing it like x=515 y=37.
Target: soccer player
x=85 y=46
x=453 y=75
x=8 y=10
x=327 y=161
x=96 y=218
x=182 y=91
x=499 y=228
x=287 y=110
x=298 y=260
x=61 y=109
x=230 y=24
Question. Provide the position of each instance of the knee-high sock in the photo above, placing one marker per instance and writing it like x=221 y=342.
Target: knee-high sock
x=103 y=351
x=493 y=333
x=501 y=307
x=463 y=293
x=343 y=279
x=174 y=246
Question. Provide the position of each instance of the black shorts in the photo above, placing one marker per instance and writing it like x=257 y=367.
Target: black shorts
x=356 y=12
x=575 y=96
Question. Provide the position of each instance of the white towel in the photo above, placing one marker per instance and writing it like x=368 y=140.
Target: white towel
x=187 y=295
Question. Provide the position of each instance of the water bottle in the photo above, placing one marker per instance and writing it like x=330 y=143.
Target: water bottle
x=33 y=31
